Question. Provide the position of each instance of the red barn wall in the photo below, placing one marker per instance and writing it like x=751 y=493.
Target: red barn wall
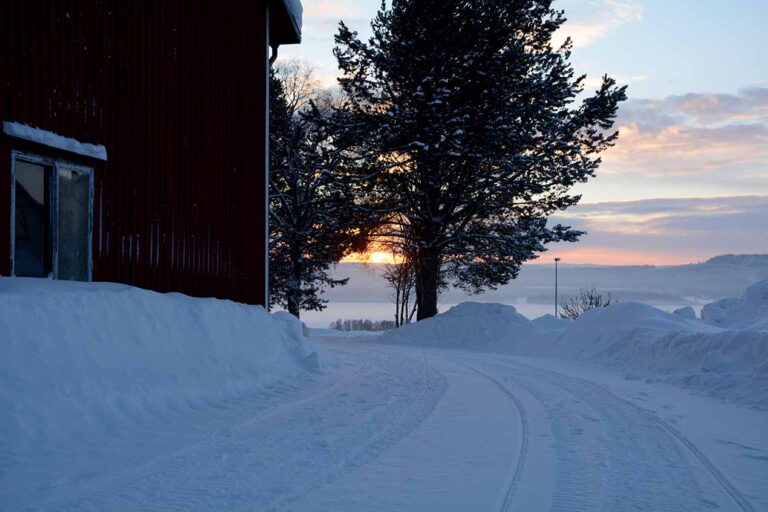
x=175 y=90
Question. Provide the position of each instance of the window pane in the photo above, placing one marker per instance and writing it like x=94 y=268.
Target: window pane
x=32 y=241
x=74 y=209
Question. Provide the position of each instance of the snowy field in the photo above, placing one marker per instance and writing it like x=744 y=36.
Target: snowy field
x=115 y=398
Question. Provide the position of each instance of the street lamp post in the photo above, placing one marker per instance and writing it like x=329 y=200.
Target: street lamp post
x=556 y=261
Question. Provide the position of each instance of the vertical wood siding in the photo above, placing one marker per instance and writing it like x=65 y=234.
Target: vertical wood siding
x=175 y=90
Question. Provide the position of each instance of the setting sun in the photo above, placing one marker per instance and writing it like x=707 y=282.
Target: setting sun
x=370 y=257
x=381 y=257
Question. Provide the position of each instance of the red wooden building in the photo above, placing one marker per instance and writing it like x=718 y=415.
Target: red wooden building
x=134 y=141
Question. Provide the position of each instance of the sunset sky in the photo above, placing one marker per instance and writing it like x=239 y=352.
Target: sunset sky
x=688 y=178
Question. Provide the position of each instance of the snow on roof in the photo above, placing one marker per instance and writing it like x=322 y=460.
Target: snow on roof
x=53 y=140
x=285 y=22
x=295 y=10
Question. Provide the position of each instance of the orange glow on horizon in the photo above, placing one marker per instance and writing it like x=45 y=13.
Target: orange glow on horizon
x=575 y=256
x=606 y=256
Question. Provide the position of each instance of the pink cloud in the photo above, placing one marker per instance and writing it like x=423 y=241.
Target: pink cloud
x=609 y=16
x=665 y=231
x=694 y=134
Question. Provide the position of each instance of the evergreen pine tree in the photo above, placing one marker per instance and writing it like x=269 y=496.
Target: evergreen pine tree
x=465 y=119
x=312 y=222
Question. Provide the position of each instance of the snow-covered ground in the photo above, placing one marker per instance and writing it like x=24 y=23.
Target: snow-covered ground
x=115 y=398
x=98 y=378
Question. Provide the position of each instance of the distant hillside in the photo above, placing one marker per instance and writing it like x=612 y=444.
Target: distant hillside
x=721 y=276
x=740 y=260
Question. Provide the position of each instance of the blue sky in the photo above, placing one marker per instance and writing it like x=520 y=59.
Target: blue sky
x=693 y=135
x=673 y=46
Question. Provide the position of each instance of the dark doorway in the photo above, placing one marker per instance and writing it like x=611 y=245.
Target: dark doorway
x=52 y=219
x=32 y=241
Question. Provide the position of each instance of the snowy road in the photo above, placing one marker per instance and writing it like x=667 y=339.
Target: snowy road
x=393 y=428
x=604 y=453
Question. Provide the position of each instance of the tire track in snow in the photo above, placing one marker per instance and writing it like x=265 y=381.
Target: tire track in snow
x=273 y=460
x=397 y=428
x=524 y=429
x=685 y=444
x=707 y=464
x=95 y=487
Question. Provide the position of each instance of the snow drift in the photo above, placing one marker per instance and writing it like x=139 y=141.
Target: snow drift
x=469 y=324
x=83 y=359
x=750 y=311
x=686 y=312
x=639 y=340
x=650 y=344
x=624 y=323
x=550 y=323
x=732 y=365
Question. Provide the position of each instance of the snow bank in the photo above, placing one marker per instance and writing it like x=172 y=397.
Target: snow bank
x=550 y=323
x=686 y=312
x=732 y=365
x=646 y=343
x=83 y=359
x=623 y=322
x=750 y=311
x=469 y=324
x=640 y=341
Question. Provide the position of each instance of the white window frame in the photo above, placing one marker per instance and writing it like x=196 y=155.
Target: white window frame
x=54 y=164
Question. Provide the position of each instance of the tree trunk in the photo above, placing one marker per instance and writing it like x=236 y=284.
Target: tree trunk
x=412 y=312
x=294 y=286
x=403 y=308
x=293 y=304
x=397 y=305
x=427 y=282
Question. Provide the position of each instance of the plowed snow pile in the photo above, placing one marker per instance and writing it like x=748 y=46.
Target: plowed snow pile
x=624 y=323
x=469 y=324
x=83 y=360
x=747 y=312
x=641 y=341
x=650 y=344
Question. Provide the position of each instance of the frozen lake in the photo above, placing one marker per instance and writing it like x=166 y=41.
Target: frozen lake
x=386 y=310
x=366 y=296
